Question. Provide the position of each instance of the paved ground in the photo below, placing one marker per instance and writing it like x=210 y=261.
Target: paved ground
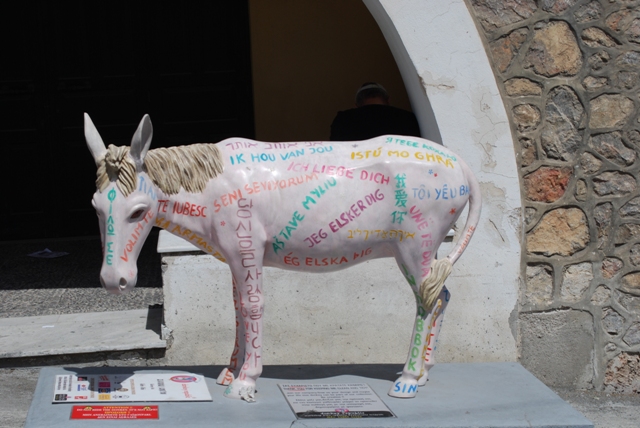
x=605 y=410
x=16 y=390
x=70 y=284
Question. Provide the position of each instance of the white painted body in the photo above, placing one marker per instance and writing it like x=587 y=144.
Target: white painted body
x=306 y=206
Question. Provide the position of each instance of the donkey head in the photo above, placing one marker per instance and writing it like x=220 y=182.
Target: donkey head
x=125 y=201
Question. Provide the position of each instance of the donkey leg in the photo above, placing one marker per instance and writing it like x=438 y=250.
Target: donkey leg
x=229 y=373
x=406 y=386
x=434 y=330
x=251 y=303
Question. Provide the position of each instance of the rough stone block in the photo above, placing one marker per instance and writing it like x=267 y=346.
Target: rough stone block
x=518 y=87
x=610 y=146
x=601 y=296
x=631 y=209
x=494 y=14
x=628 y=60
x=621 y=20
x=627 y=79
x=529 y=215
x=608 y=111
x=529 y=153
x=539 y=284
x=526 y=117
x=581 y=190
x=547 y=184
x=599 y=60
x=561 y=231
x=612 y=322
x=632 y=336
x=596 y=38
x=633 y=136
x=614 y=183
x=631 y=283
x=554 y=51
x=588 y=12
x=592 y=83
x=627 y=232
x=564 y=115
x=506 y=48
x=558 y=347
x=602 y=216
x=611 y=266
x=634 y=254
x=589 y=163
x=563 y=105
x=632 y=33
x=629 y=302
x=623 y=374
x=575 y=281
x=556 y=6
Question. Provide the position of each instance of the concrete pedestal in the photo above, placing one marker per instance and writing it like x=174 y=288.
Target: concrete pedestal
x=457 y=395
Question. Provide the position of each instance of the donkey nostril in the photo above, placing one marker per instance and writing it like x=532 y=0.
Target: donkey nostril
x=123 y=283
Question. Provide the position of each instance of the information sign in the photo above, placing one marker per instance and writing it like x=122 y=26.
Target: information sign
x=331 y=401
x=136 y=387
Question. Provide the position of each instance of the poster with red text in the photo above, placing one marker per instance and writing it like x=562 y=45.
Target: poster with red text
x=96 y=388
x=114 y=412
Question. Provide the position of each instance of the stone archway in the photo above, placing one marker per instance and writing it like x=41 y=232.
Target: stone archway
x=455 y=97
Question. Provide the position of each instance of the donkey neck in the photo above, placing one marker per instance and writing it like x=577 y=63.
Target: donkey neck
x=187 y=216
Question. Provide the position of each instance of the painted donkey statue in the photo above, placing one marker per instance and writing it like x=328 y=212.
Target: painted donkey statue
x=293 y=206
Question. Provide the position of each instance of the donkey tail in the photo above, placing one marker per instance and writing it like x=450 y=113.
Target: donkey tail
x=441 y=268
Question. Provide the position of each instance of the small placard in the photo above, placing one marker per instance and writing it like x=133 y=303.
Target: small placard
x=136 y=387
x=331 y=401
x=114 y=412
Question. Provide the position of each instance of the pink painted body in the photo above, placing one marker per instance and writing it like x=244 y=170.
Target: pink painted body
x=305 y=206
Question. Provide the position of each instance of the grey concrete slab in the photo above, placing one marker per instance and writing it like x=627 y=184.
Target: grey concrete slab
x=80 y=333
x=457 y=395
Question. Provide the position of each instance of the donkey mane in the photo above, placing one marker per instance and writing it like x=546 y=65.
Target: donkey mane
x=190 y=167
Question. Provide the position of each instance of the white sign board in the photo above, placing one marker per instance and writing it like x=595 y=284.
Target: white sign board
x=73 y=388
x=330 y=401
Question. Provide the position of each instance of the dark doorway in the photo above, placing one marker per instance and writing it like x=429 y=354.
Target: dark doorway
x=187 y=65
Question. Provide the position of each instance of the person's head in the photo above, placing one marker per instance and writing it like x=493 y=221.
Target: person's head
x=371 y=93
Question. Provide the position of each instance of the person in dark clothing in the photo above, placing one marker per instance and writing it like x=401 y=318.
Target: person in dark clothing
x=372 y=117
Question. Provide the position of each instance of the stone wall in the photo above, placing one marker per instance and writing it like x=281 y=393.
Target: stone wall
x=569 y=72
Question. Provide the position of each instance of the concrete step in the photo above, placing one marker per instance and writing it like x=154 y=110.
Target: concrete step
x=45 y=337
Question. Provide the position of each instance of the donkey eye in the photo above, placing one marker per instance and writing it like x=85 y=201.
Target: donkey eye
x=137 y=214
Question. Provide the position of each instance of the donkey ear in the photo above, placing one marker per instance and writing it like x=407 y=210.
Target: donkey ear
x=94 y=141
x=141 y=141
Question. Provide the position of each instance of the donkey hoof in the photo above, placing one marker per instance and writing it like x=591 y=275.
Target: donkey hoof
x=225 y=377
x=422 y=380
x=241 y=390
x=404 y=388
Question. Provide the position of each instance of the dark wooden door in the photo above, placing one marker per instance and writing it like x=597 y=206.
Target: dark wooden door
x=186 y=64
